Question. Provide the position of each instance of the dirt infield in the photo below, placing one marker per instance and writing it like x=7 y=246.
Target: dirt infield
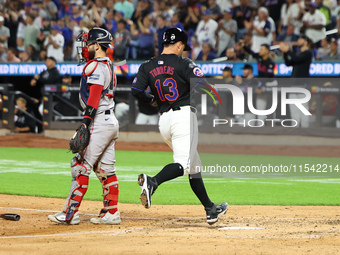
x=171 y=229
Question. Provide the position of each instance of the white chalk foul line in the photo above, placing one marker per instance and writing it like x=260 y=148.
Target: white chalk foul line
x=27 y=209
x=176 y=218
x=91 y=214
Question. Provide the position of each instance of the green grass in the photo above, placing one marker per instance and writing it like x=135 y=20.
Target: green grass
x=46 y=172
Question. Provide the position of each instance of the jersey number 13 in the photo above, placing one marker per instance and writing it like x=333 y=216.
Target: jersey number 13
x=168 y=90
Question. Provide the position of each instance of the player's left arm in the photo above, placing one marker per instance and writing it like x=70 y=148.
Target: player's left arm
x=139 y=86
x=92 y=103
x=81 y=138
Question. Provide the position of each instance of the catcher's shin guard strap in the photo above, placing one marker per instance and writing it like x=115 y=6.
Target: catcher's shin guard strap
x=110 y=193
x=106 y=191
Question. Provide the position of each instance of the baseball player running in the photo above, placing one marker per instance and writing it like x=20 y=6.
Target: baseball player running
x=96 y=97
x=168 y=76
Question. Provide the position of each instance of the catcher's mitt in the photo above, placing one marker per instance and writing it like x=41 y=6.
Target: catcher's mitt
x=80 y=139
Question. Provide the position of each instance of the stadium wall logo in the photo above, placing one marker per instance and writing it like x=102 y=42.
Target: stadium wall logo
x=239 y=104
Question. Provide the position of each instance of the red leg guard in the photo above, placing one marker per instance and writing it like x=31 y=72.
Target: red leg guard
x=110 y=193
x=77 y=196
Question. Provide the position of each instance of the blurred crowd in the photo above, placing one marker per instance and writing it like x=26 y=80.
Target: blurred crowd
x=31 y=30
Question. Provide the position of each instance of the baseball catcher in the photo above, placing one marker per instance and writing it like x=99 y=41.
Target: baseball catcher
x=94 y=140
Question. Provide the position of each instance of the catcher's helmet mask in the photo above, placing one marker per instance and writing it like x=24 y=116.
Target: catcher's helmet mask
x=173 y=35
x=95 y=35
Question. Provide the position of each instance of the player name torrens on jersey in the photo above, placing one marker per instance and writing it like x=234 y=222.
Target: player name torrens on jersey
x=162 y=70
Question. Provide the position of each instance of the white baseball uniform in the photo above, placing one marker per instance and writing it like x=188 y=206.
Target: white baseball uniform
x=104 y=127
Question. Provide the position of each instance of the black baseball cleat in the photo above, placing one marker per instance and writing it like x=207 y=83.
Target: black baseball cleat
x=148 y=186
x=215 y=211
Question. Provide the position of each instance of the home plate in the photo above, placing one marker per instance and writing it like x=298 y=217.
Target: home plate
x=238 y=228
